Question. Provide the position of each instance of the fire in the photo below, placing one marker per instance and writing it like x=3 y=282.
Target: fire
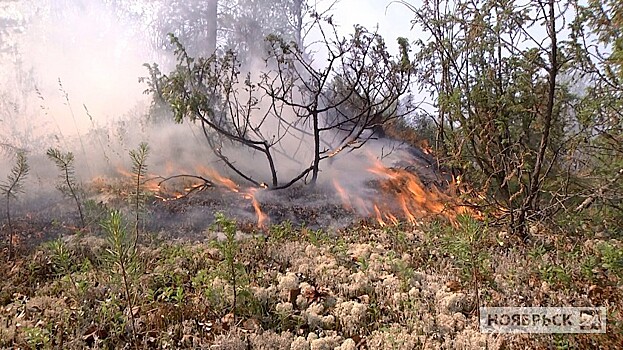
x=216 y=177
x=262 y=218
x=379 y=217
x=402 y=196
x=343 y=195
x=398 y=194
x=205 y=177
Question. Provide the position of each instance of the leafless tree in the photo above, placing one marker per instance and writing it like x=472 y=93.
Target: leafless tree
x=295 y=105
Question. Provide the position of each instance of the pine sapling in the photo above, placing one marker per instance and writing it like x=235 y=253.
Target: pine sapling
x=13 y=186
x=229 y=248
x=68 y=186
x=122 y=257
x=139 y=169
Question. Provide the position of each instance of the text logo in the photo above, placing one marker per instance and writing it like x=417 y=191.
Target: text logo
x=543 y=319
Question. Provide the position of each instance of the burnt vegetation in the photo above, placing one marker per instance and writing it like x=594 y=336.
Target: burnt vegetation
x=330 y=190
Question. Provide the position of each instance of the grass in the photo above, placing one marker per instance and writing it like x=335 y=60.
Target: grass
x=301 y=289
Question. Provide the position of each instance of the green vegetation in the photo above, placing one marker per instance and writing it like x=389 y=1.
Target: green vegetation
x=366 y=287
x=9 y=189
x=523 y=114
x=139 y=170
x=68 y=184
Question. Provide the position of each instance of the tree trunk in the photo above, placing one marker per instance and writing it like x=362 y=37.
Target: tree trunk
x=212 y=26
x=298 y=23
x=531 y=202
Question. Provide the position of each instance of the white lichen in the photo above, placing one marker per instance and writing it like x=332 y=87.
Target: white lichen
x=288 y=282
x=351 y=315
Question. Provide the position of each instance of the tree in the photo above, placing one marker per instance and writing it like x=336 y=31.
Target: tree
x=367 y=85
x=597 y=53
x=238 y=25
x=502 y=107
x=194 y=22
x=291 y=114
x=13 y=186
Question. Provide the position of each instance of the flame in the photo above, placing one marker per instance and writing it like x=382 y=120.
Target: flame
x=401 y=196
x=262 y=218
x=121 y=171
x=159 y=189
x=379 y=218
x=343 y=195
x=217 y=178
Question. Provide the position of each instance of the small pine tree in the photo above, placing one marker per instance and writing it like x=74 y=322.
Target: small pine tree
x=68 y=185
x=122 y=258
x=139 y=169
x=11 y=187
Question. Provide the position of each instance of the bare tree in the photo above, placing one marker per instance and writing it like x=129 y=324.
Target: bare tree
x=358 y=90
x=293 y=106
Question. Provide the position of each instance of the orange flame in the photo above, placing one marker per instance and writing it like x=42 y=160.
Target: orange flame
x=343 y=195
x=262 y=218
x=379 y=218
x=402 y=197
x=218 y=178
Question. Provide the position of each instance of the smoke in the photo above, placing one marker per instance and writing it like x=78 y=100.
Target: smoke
x=72 y=83
x=75 y=86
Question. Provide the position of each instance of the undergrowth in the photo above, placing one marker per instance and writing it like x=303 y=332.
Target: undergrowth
x=400 y=287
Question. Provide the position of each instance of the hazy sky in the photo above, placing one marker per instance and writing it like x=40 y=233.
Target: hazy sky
x=393 y=19
x=98 y=63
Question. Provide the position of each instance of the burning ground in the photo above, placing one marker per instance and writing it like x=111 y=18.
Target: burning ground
x=390 y=261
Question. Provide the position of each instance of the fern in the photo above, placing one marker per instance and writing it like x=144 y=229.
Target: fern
x=139 y=169
x=13 y=186
x=68 y=185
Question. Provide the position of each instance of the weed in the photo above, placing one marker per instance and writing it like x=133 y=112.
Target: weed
x=537 y=252
x=611 y=258
x=281 y=231
x=554 y=274
x=94 y=212
x=61 y=260
x=364 y=263
x=467 y=250
x=229 y=248
x=464 y=247
x=37 y=337
x=404 y=272
x=315 y=237
x=587 y=268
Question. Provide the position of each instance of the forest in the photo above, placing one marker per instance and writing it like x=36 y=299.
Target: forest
x=261 y=174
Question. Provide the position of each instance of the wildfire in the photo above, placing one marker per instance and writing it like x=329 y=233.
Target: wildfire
x=398 y=194
x=217 y=178
x=402 y=196
x=343 y=195
x=191 y=183
x=262 y=218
